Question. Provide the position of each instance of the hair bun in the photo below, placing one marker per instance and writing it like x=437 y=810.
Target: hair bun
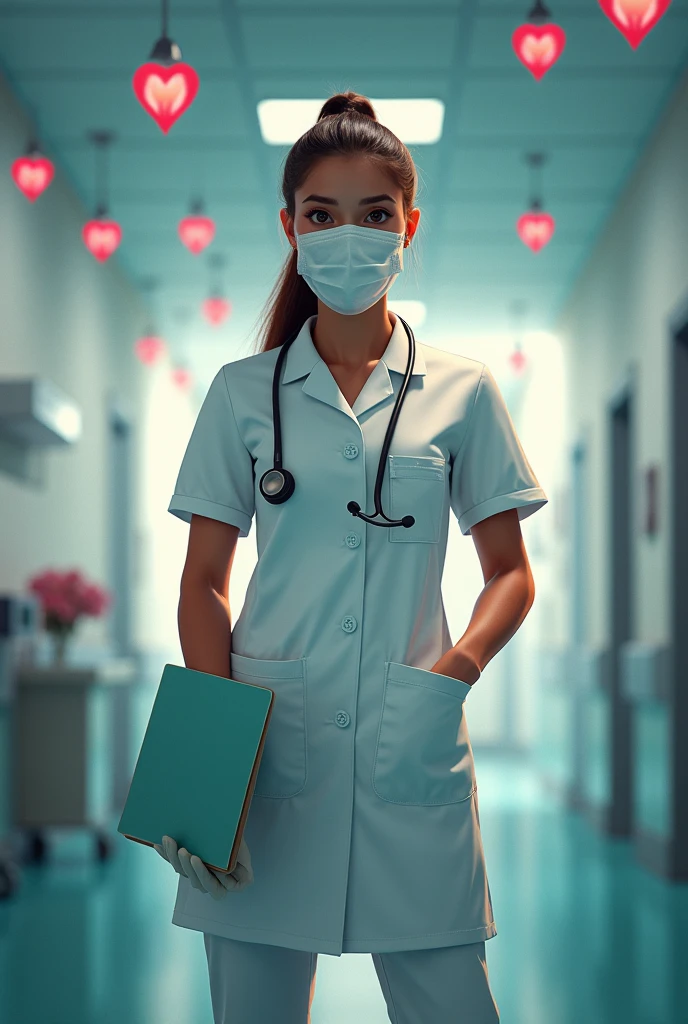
x=343 y=101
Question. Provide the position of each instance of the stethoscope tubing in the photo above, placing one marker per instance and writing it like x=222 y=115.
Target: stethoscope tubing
x=353 y=507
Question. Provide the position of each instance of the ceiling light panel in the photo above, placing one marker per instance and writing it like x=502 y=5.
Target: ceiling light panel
x=414 y=121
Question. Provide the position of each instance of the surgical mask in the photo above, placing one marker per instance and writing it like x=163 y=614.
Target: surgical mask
x=350 y=267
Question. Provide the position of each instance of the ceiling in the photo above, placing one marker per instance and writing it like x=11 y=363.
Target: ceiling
x=70 y=64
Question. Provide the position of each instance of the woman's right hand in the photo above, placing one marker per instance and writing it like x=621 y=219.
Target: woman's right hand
x=218 y=884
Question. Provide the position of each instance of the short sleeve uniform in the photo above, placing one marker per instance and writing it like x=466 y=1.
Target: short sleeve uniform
x=490 y=473
x=216 y=475
x=364 y=828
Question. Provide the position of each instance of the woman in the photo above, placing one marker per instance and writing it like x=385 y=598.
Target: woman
x=363 y=830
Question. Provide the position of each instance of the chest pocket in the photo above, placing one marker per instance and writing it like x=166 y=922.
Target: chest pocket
x=416 y=488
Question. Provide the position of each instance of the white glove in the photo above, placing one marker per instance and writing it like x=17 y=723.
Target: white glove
x=217 y=884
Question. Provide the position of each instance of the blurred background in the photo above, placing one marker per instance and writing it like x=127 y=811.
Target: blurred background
x=141 y=147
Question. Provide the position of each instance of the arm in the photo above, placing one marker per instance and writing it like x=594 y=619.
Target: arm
x=503 y=603
x=203 y=615
x=204 y=631
x=493 y=487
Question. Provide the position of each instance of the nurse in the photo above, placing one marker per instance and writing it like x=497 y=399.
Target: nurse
x=363 y=833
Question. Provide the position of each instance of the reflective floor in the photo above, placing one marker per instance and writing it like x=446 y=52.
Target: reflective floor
x=585 y=935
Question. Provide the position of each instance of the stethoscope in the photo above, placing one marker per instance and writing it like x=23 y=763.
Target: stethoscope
x=277 y=484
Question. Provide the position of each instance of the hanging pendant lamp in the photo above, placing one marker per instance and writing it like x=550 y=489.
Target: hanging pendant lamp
x=540 y=43
x=196 y=230
x=165 y=86
x=33 y=172
x=634 y=18
x=150 y=347
x=216 y=308
x=535 y=228
x=102 y=235
x=182 y=378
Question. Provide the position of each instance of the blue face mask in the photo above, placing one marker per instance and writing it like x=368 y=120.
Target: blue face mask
x=350 y=267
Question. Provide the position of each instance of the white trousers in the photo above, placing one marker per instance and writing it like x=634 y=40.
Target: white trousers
x=252 y=982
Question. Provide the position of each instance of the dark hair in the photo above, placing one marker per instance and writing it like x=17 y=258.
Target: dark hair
x=346 y=124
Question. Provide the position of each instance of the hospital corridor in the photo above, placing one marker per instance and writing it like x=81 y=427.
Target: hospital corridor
x=343 y=512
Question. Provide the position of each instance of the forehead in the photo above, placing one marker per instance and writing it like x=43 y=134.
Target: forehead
x=348 y=177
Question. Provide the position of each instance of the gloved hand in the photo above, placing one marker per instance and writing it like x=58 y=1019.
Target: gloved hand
x=202 y=878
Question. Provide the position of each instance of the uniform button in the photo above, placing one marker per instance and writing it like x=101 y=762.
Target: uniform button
x=349 y=624
x=342 y=719
x=352 y=540
x=350 y=451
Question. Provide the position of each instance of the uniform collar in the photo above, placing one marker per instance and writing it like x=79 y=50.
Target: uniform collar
x=303 y=355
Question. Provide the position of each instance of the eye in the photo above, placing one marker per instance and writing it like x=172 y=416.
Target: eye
x=316 y=210
x=380 y=210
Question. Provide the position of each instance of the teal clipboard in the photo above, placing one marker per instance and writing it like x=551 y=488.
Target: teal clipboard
x=197 y=767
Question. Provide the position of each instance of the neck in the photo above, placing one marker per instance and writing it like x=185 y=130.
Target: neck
x=352 y=341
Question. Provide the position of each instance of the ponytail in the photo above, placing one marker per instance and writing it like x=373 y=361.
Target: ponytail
x=290 y=304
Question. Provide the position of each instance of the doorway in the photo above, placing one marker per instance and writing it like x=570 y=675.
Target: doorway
x=617 y=819
x=678 y=706
x=579 y=556
x=120 y=525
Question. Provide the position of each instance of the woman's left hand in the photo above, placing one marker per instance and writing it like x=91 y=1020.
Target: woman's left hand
x=218 y=884
x=459 y=665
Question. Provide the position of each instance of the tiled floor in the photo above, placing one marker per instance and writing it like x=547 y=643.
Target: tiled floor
x=584 y=934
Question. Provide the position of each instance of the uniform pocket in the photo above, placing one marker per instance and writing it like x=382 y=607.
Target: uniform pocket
x=417 y=485
x=282 y=771
x=423 y=753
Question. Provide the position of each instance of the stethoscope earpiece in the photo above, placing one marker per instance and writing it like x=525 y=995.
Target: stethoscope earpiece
x=277 y=484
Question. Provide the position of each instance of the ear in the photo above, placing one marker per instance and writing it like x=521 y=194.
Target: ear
x=412 y=222
x=288 y=225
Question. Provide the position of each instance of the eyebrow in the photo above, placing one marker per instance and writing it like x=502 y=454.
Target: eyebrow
x=363 y=202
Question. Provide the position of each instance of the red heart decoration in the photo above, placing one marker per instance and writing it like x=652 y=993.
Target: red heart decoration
x=517 y=361
x=196 y=232
x=182 y=378
x=535 y=229
x=149 y=349
x=634 y=18
x=101 y=238
x=216 y=310
x=538 y=47
x=165 y=92
x=32 y=174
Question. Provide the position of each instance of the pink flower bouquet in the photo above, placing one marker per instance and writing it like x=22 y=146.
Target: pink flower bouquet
x=64 y=598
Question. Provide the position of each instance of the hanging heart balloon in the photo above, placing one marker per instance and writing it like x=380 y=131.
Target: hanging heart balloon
x=535 y=229
x=101 y=238
x=32 y=175
x=538 y=47
x=165 y=92
x=634 y=18
x=196 y=232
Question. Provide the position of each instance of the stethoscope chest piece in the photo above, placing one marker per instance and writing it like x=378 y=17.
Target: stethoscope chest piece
x=277 y=485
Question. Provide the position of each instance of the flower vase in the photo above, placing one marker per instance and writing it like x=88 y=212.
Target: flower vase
x=60 y=648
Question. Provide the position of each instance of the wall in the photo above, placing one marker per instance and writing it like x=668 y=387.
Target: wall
x=73 y=320
x=616 y=320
